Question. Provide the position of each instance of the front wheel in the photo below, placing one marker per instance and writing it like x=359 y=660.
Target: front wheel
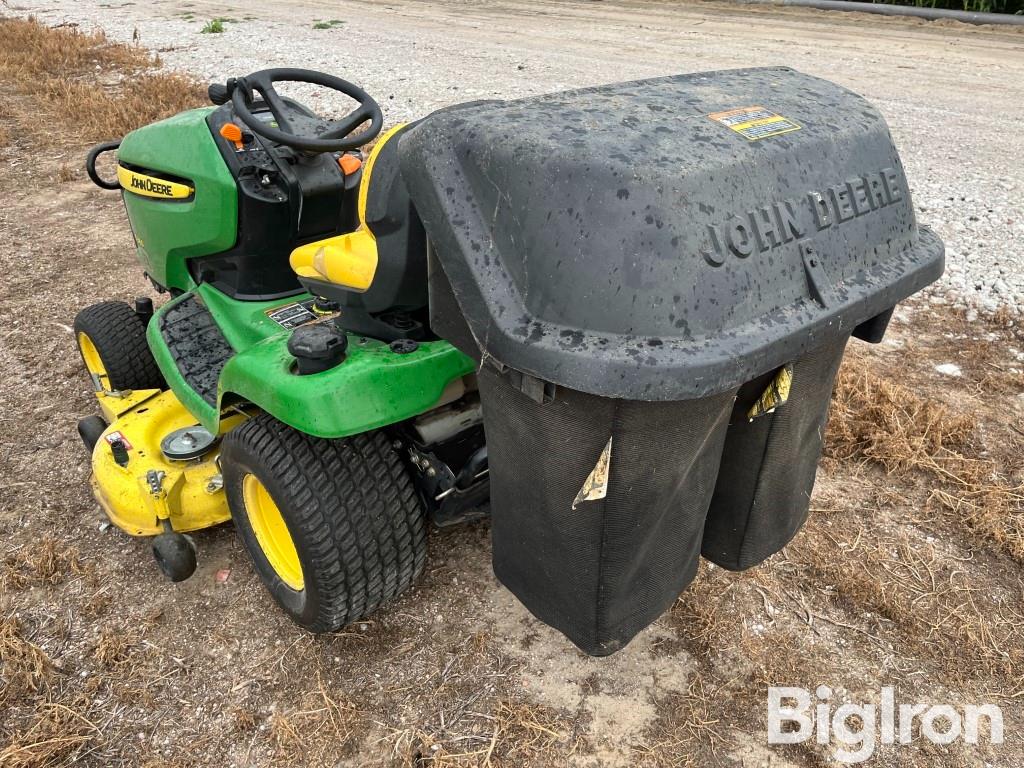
x=111 y=338
x=334 y=527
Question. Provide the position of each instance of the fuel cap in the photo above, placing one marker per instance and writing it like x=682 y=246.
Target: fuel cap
x=317 y=347
x=187 y=443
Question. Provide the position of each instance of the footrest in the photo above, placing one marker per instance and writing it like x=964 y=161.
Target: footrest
x=196 y=344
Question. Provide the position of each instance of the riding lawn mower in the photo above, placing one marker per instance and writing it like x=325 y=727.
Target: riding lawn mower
x=617 y=313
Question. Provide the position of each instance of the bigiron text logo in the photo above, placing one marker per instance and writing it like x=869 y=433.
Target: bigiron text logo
x=859 y=728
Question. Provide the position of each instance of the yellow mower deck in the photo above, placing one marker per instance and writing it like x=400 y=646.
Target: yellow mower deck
x=190 y=496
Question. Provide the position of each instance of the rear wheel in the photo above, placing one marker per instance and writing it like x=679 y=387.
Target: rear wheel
x=334 y=527
x=111 y=338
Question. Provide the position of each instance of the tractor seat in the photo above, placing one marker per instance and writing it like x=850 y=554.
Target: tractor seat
x=382 y=265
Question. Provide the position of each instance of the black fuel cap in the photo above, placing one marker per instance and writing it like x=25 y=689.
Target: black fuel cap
x=317 y=347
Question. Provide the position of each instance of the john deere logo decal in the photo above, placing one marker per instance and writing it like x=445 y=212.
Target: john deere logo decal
x=777 y=223
x=150 y=186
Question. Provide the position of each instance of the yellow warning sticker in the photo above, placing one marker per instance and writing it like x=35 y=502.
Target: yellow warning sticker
x=776 y=394
x=596 y=485
x=753 y=123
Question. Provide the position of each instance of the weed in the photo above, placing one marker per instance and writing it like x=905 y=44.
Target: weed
x=45 y=562
x=57 y=734
x=24 y=666
x=323 y=715
x=214 y=26
x=66 y=72
x=328 y=24
x=894 y=426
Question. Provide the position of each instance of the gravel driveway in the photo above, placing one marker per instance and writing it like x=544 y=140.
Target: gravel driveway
x=953 y=94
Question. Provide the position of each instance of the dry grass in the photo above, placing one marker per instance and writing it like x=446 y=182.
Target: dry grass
x=84 y=85
x=513 y=733
x=475 y=717
x=690 y=723
x=916 y=600
x=318 y=733
x=24 y=666
x=45 y=562
x=56 y=735
x=6 y=116
x=884 y=422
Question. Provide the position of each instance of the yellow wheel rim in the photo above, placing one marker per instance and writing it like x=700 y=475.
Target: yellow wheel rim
x=91 y=356
x=272 y=532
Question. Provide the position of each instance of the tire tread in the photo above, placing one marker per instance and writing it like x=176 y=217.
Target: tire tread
x=119 y=336
x=352 y=505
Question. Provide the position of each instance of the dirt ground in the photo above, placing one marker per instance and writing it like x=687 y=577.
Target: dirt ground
x=908 y=573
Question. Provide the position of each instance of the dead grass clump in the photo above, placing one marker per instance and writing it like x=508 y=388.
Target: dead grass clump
x=892 y=425
x=32 y=49
x=83 y=84
x=689 y=726
x=47 y=561
x=877 y=419
x=701 y=616
x=514 y=733
x=57 y=735
x=24 y=666
x=123 y=646
x=317 y=733
x=923 y=602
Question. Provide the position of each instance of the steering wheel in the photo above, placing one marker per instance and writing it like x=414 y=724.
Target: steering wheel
x=297 y=128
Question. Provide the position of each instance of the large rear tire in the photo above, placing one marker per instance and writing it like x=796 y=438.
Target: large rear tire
x=111 y=338
x=334 y=527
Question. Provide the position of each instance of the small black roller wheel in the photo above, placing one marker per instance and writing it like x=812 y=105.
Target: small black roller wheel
x=90 y=429
x=175 y=555
x=334 y=527
x=111 y=337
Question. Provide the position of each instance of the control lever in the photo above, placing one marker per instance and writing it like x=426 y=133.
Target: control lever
x=218 y=93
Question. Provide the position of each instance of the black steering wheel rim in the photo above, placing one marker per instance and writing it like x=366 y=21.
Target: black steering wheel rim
x=337 y=138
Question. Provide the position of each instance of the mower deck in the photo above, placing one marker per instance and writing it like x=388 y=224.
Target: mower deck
x=192 y=492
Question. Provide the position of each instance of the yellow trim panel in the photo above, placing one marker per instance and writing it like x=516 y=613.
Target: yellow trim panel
x=151 y=186
x=91 y=357
x=349 y=260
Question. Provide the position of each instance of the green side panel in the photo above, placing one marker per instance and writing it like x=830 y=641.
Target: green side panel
x=372 y=388
x=244 y=323
x=168 y=232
